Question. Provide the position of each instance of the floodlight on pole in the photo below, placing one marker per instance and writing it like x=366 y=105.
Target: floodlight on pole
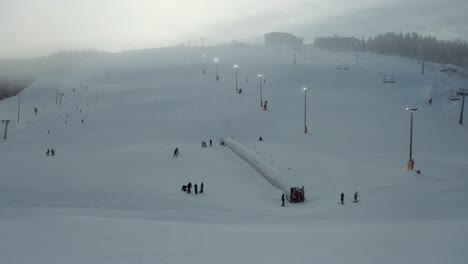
x=235 y=67
x=19 y=103
x=305 y=109
x=6 y=122
x=411 y=160
x=216 y=72
x=261 y=99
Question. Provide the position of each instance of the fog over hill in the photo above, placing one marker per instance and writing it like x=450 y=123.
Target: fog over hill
x=112 y=191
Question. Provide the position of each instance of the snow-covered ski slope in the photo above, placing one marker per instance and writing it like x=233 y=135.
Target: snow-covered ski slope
x=112 y=192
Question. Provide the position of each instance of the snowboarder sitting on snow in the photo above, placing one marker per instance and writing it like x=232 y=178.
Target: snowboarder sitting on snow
x=342 y=198
x=203 y=144
x=184 y=188
x=356 y=195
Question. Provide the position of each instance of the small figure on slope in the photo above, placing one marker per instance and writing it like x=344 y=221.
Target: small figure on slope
x=342 y=198
x=201 y=187
x=195 y=187
x=189 y=187
x=356 y=195
x=176 y=152
x=282 y=199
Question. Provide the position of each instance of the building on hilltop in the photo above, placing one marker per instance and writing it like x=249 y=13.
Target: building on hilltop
x=337 y=43
x=282 y=39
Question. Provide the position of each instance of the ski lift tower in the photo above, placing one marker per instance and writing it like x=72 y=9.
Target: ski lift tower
x=462 y=93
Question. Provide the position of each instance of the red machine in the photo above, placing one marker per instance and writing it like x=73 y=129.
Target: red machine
x=296 y=195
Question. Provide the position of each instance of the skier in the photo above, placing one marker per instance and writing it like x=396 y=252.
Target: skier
x=342 y=198
x=82 y=121
x=195 y=187
x=260 y=139
x=430 y=101
x=48 y=151
x=35 y=110
x=189 y=187
x=282 y=199
x=52 y=152
x=211 y=143
x=265 y=105
x=201 y=187
x=356 y=195
x=176 y=152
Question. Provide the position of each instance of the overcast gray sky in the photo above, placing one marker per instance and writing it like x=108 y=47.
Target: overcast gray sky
x=40 y=27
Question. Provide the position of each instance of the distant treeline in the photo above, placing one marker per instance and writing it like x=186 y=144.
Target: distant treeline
x=12 y=88
x=420 y=47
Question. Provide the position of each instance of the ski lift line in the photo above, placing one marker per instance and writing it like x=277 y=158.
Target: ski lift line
x=52 y=114
x=271 y=174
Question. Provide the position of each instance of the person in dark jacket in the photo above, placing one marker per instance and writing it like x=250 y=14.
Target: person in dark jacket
x=195 y=187
x=211 y=143
x=342 y=198
x=189 y=187
x=282 y=199
x=48 y=151
x=356 y=195
x=201 y=187
x=176 y=152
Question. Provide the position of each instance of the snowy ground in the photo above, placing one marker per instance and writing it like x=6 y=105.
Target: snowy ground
x=112 y=192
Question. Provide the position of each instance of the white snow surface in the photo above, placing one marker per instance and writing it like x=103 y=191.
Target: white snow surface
x=112 y=192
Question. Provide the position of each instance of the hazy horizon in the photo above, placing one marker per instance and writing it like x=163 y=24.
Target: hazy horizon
x=31 y=28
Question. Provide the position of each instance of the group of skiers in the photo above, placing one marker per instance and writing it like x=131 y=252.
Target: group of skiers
x=188 y=188
x=50 y=152
x=356 y=196
x=203 y=143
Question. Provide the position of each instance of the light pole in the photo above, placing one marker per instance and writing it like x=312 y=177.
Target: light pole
x=411 y=160
x=61 y=95
x=235 y=67
x=261 y=99
x=203 y=63
x=216 y=72
x=305 y=109
x=6 y=122
x=19 y=103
